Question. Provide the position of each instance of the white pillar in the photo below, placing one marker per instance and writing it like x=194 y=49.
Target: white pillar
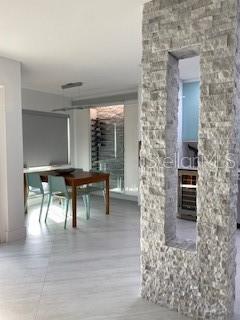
x=81 y=144
x=12 y=224
x=131 y=171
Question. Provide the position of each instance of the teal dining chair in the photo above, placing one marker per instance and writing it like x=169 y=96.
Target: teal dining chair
x=35 y=189
x=58 y=189
x=91 y=188
x=98 y=186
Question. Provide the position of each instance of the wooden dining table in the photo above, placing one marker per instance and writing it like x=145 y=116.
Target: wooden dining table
x=78 y=178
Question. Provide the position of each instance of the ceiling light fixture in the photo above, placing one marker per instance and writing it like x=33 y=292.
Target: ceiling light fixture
x=66 y=86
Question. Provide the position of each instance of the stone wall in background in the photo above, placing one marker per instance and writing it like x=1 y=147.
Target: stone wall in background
x=197 y=280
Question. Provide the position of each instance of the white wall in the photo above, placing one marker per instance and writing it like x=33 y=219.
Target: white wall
x=11 y=152
x=81 y=139
x=131 y=171
x=43 y=101
x=180 y=145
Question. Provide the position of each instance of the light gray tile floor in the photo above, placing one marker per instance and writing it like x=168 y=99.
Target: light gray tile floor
x=92 y=273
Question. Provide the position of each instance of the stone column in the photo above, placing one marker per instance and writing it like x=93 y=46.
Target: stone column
x=197 y=280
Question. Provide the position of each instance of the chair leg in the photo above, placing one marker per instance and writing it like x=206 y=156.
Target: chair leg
x=26 y=202
x=85 y=205
x=25 y=206
x=104 y=195
x=88 y=206
x=40 y=215
x=49 y=202
x=67 y=204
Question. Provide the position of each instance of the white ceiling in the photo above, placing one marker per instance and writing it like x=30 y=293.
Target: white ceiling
x=94 y=41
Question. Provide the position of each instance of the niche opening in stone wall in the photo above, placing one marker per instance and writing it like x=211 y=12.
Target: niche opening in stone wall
x=181 y=142
x=188 y=127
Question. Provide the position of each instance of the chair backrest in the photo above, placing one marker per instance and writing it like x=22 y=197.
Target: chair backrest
x=34 y=181
x=57 y=184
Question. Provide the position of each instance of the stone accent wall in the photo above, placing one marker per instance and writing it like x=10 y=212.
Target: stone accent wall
x=199 y=280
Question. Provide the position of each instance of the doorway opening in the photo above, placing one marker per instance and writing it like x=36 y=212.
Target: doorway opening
x=107 y=143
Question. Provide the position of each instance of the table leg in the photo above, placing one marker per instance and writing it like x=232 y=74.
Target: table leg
x=107 y=196
x=74 y=207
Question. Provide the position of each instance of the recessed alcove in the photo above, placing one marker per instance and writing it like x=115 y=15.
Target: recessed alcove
x=187 y=154
x=181 y=156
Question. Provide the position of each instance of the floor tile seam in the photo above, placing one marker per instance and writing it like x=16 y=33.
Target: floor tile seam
x=36 y=314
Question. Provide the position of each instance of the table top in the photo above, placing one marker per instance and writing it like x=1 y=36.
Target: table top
x=77 y=177
x=46 y=168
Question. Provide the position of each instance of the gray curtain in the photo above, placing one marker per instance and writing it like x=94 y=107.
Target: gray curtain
x=45 y=138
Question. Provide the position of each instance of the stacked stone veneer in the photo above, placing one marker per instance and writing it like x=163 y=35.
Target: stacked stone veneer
x=197 y=282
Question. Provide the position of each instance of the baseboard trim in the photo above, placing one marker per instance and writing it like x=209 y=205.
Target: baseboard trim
x=123 y=196
x=15 y=235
